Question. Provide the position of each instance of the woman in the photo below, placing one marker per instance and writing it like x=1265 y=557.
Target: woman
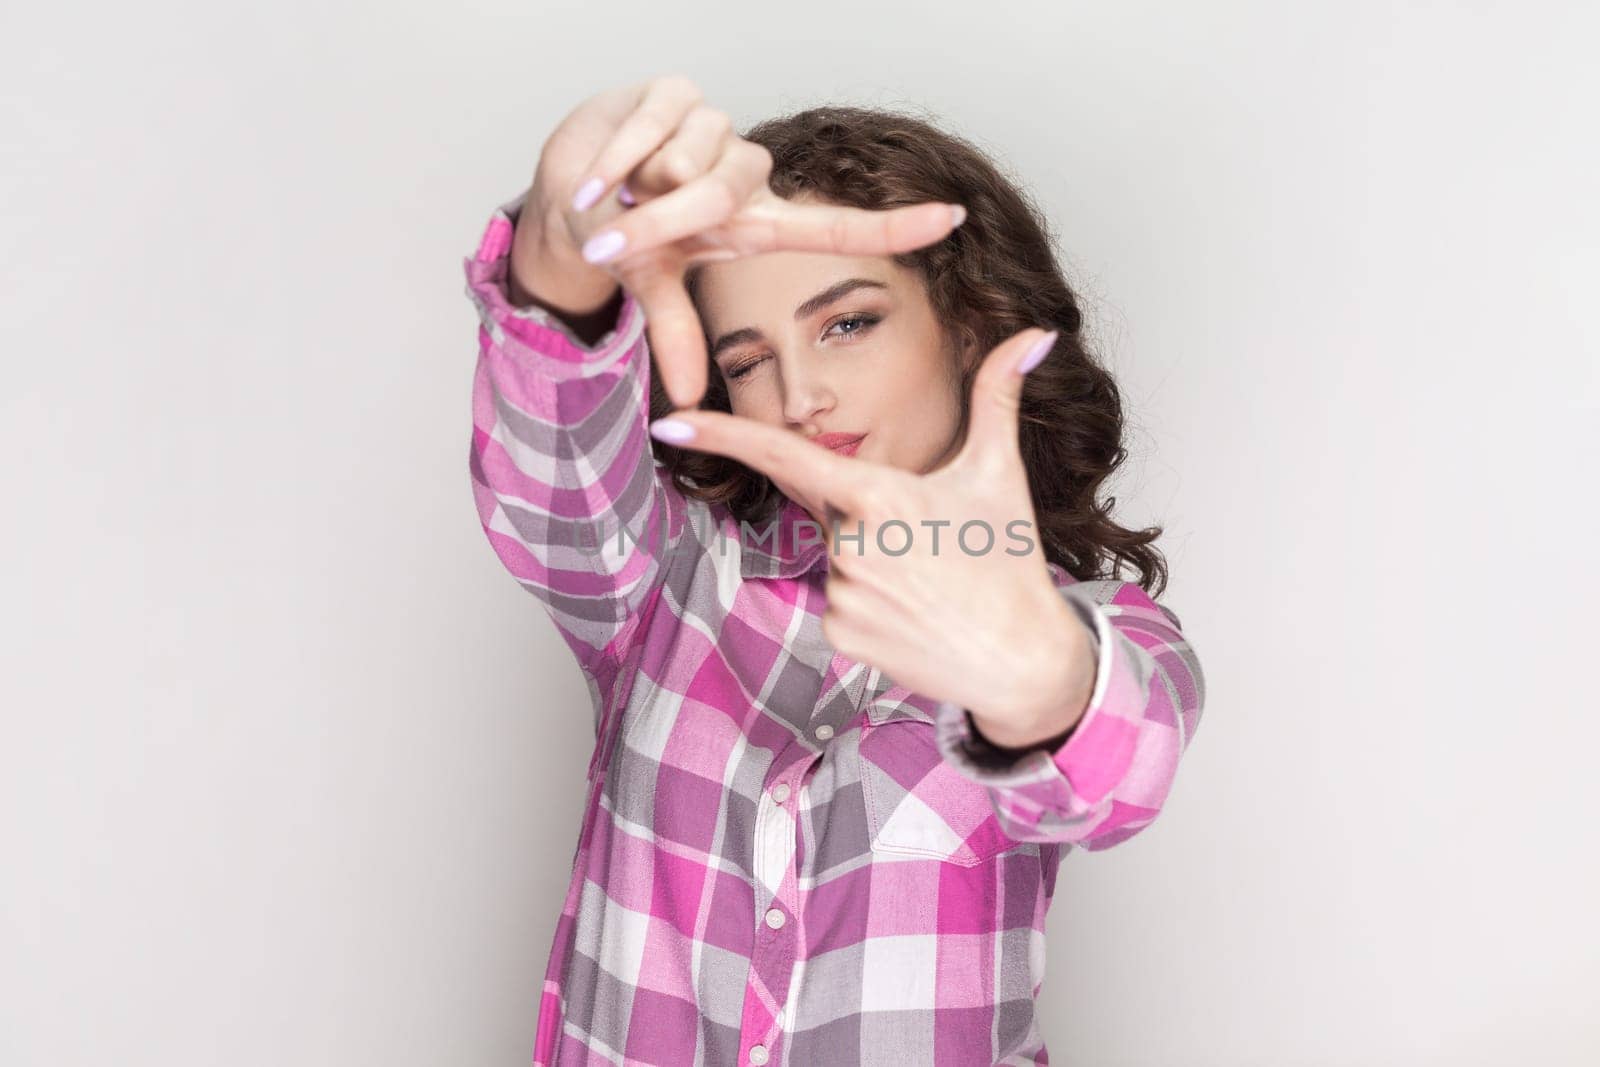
x=853 y=703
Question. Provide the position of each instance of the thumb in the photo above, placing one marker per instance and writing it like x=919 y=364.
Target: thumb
x=992 y=428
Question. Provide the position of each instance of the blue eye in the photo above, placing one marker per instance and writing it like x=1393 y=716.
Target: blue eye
x=863 y=323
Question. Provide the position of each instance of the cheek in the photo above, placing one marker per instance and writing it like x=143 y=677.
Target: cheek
x=759 y=402
x=930 y=404
x=921 y=416
x=739 y=397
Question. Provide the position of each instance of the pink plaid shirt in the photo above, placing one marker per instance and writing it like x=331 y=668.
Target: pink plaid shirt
x=785 y=857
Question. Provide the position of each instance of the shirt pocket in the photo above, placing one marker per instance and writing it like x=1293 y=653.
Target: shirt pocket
x=918 y=804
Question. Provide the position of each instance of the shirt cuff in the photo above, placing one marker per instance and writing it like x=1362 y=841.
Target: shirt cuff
x=979 y=759
x=540 y=337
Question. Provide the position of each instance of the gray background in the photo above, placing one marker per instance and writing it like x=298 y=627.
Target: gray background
x=291 y=768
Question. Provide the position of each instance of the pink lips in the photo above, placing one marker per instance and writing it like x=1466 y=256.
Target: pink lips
x=845 y=444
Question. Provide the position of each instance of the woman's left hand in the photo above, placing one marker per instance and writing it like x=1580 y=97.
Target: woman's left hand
x=968 y=612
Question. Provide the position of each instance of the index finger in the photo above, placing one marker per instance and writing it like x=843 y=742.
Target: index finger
x=816 y=472
x=854 y=231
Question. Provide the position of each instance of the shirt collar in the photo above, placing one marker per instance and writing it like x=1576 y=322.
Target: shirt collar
x=780 y=549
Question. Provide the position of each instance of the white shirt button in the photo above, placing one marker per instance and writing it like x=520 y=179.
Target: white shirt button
x=758 y=1054
x=774 y=918
x=824 y=732
x=780 y=792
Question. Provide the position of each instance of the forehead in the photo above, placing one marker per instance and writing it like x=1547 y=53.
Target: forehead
x=773 y=284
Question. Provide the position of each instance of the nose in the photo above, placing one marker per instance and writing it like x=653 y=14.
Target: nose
x=806 y=392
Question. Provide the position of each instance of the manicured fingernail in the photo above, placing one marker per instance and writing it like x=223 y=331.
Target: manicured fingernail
x=672 y=430
x=603 y=246
x=625 y=196
x=958 y=214
x=587 y=194
x=1040 y=349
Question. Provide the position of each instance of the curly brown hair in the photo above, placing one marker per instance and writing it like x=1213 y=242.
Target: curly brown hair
x=994 y=275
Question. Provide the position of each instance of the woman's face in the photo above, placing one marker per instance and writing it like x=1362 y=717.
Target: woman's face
x=846 y=346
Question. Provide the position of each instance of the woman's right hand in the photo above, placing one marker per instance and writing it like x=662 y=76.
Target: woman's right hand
x=702 y=194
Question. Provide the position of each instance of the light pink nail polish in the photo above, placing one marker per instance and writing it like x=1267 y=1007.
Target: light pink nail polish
x=1040 y=349
x=672 y=430
x=604 y=246
x=587 y=194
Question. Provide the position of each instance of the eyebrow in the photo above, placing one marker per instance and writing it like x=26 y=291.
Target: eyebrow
x=807 y=308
